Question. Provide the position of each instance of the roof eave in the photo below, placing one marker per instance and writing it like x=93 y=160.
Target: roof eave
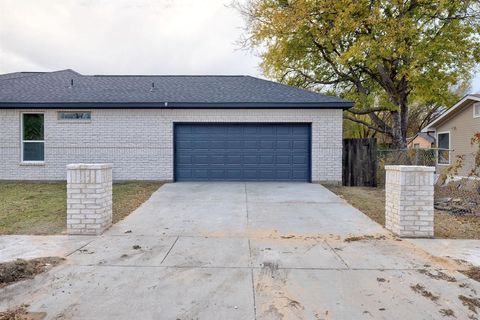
x=431 y=126
x=177 y=105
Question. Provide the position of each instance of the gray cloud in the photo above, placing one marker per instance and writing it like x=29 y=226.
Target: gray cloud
x=123 y=36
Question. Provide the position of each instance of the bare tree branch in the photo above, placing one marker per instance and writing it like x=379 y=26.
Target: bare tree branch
x=367 y=111
x=366 y=124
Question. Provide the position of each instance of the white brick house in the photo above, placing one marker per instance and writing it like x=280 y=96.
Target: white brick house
x=167 y=128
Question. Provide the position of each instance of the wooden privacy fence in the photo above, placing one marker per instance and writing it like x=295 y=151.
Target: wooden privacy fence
x=360 y=162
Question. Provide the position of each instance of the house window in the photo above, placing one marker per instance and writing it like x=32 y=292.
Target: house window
x=476 y=110
x=33 y=143
x=76 y=115
x=443 y=148
x=416 y=145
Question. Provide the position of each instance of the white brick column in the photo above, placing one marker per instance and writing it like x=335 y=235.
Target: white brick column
x=409 y=200
x=89 y=198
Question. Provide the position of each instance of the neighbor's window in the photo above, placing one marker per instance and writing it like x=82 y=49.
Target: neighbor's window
x=476 y=110
x=444 y=148
x=78 y=115
x=416 y=145
x=33 y=143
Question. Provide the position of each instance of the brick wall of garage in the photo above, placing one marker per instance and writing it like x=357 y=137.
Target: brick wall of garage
x=139 y=143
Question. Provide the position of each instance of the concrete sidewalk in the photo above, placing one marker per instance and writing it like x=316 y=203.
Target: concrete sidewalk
x=246 y=251
x=28 y=247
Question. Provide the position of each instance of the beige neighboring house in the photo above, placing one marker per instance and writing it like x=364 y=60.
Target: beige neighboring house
x=422 y=140
x=453 y=131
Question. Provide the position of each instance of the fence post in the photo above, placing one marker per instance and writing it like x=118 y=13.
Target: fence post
x=409 y=208
x=89 y=198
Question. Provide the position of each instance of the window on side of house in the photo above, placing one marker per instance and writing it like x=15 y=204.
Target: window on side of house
x=416 y=145
x=476 y=110
x=33 y=141
x=443 y=148
x=74 y=115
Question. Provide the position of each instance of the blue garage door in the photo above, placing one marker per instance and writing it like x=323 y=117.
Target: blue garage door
x=235 y=151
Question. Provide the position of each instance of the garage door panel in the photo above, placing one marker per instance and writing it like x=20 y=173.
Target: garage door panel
x=234 y=144
x=267 y=144
x=284 y=144
x=299 y=144
x=300 y=130
x=251 y=144
x=284 y=131
x=205 y=151
x=184 y=159
x=284 y=160
x=200 y=174
x=299 y=160
x=267 y=159
x=197 y=144
x=233 y=159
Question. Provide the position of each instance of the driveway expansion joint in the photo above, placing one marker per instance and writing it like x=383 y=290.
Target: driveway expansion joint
x=80 y=248
x=168 y=252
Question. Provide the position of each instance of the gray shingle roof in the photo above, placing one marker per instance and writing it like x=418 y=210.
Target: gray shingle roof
x=14 y=75
x=52 y=89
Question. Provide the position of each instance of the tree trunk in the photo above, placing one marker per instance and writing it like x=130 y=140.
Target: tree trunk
x=397 y=140
x=403 y=115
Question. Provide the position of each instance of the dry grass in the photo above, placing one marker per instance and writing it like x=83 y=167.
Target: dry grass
x=364 y=237
x=40 y=208
x=371 y=201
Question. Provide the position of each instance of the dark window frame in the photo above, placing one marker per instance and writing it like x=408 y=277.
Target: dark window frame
x=31 y=141
x=443 y=156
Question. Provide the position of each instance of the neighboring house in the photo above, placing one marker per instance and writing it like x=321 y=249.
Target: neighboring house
x=422 y=140
x=454 y=130
x=172 y=128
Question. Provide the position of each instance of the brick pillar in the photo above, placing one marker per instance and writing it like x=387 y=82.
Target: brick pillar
x=89 y=198
x=409 y=200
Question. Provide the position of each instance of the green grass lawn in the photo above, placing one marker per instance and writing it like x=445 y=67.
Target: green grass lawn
x=40 y=208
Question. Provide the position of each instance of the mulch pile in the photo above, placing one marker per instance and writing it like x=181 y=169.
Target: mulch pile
x=21 y=269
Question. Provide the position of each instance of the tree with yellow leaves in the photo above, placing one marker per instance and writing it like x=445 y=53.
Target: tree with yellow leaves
x=387 y=56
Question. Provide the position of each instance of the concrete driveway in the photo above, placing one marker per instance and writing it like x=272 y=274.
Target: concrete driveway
x=247 y=251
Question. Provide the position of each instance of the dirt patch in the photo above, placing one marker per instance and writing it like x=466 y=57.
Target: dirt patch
x=471 y=303
x=270 y=234
x=21 y=313
x=447 y=313
x=20 y=269
x=472 y=273
x=364 y=237
x=281 y=301
x=439 y=276
x=418 y=288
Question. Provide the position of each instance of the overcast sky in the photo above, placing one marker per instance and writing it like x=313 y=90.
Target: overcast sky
x=125 y=37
